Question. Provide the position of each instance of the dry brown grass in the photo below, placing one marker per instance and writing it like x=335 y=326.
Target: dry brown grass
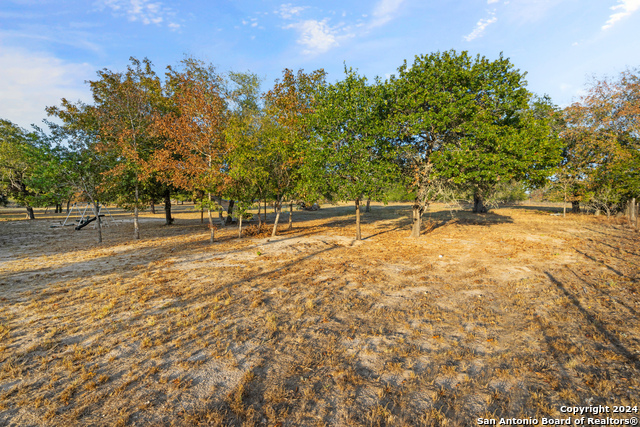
x=509 y=314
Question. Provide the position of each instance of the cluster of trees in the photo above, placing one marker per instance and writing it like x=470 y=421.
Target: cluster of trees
x=448 y=124
x=601 y=146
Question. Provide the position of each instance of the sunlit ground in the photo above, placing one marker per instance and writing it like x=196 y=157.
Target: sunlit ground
x=509 y=314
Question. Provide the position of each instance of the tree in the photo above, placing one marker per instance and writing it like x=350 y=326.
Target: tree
x=83 y=166
x=248 y=172
x=29 y=168
x=603 y=137
x=125 y=106
x=194 y=157
x=467 y=122
x=285 y=131
x=349 y=150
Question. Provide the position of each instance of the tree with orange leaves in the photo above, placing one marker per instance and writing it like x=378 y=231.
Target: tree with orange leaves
x=603 y=138
x=195 y=150
x=125 y=105
x=286 y=132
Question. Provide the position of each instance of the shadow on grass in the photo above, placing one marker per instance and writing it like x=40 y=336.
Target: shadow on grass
x=592 y=286
x=593 y=320
x=335 y=217
x=597 y=261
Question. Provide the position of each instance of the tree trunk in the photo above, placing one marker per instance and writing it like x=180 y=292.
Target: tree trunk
x=275 y=223
x=290 y=216
x=153 y=206
x=416 y=220
x=68 y=205
x=30 y=214
x=265 y=211
x=575 y=206
x=96 y=207
x=230 y=212
x=478 y=203
x=211 y=229
x=136 y=226
x=167 y=207
x=259 y=217
x=367 y=209
x=632 y=211
x=358 y=235
x=240 y=226
x=564 y=205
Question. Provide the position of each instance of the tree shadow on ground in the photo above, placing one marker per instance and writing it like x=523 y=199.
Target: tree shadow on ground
x=534 y=207
x=595 y=321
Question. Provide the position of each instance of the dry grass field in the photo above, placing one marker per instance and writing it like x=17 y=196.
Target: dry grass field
x=509 y=314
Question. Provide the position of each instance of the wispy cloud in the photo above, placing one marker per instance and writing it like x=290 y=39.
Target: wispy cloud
x=288 y=11
x=384 y=11
x=625 y=8
x=31 y=81
x=492 y=1
x=41 y=35
x=318 y=36
x=480 y=27
x=144 y=11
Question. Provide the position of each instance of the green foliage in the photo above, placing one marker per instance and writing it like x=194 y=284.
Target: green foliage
x=602 y=144
x=510 y=192
x=397 y=192
x=83 y=165
x=30 y=167
x=448 y=126
x=469 y=122
x=248 y=165
x=348 y=154
x=205 y=204
x=285 y=133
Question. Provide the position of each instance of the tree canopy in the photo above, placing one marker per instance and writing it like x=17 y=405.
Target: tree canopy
x=448 y=125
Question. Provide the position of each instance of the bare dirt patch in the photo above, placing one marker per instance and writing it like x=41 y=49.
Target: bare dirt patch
x=508 y=314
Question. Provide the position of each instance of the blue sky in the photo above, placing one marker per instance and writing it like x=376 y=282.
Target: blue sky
x=48 y=48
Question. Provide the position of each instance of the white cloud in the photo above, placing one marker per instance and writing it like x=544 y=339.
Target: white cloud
x=626 y=7
x=31 y=81
x=144 y=11
x=492 y=1
x=480 y=27
x=287 y=11
x=384 y=11
x=318 y=36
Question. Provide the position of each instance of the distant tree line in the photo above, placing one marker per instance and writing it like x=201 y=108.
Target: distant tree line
x=448 y=124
